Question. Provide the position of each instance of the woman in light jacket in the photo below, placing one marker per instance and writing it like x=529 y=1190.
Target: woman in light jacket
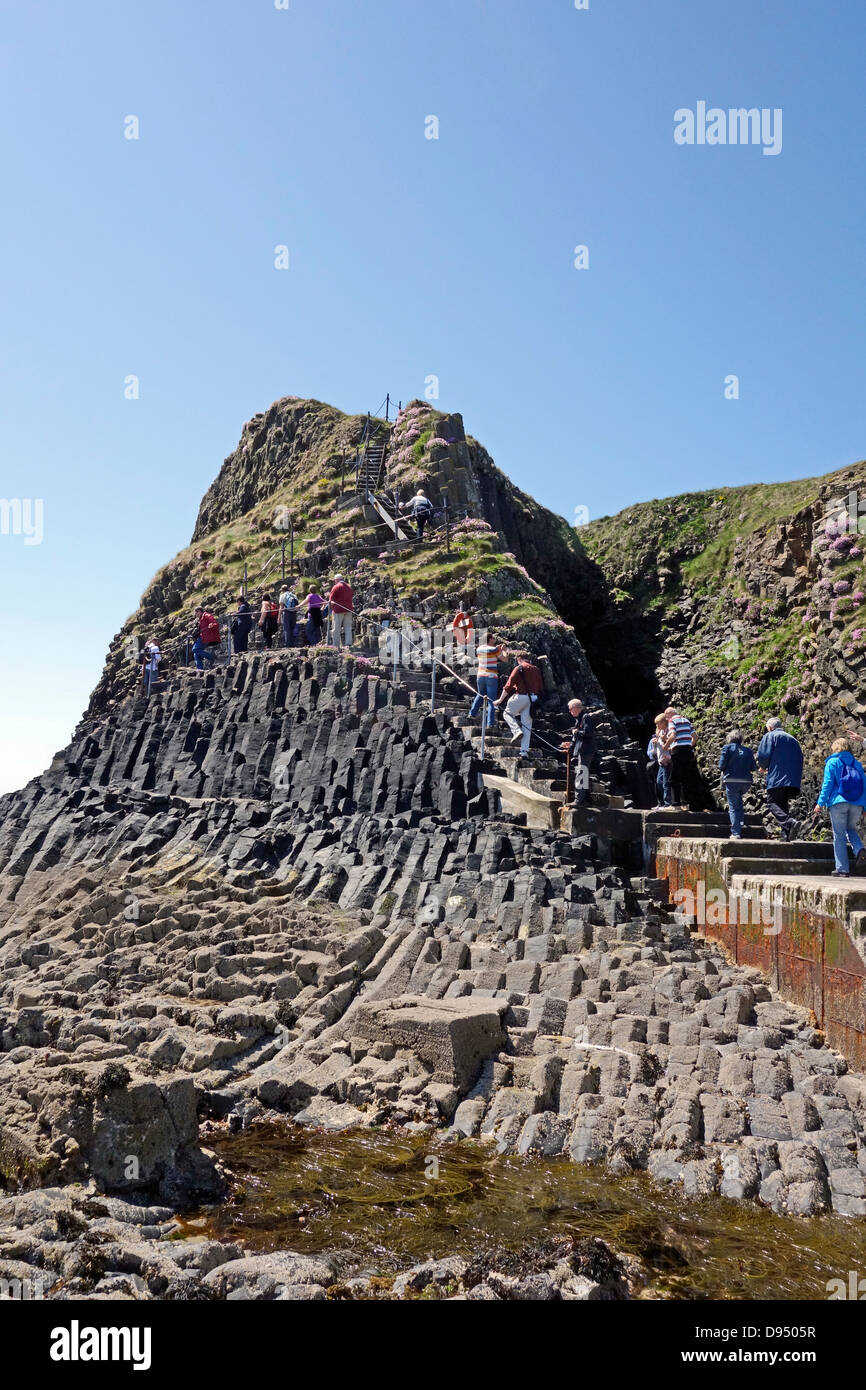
x=843 y=794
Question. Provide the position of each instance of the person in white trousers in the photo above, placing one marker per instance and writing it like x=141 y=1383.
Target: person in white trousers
x=518 y=720
x=522 y=688
x=341 y=605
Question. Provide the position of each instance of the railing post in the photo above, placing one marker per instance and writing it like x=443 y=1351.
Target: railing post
x=433 y=686
x=568 y=776
x=483 y=726
x=245 y=578
x=292 y=547
x=284 y=560
x=397 y=641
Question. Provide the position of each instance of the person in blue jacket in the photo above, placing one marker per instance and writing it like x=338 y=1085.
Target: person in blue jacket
x=737 y=765
x=782 y=756
x=843 y=793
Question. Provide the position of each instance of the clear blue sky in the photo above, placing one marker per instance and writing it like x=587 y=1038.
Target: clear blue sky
x=409 y=257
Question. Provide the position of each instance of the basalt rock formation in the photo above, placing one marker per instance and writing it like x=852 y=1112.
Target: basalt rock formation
x=266 y=891
x=280 y=888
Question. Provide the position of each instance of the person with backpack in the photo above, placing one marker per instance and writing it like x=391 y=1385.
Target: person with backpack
x=420 y=508
x=241 y=625
x=288 y=613
x=519 y=694
x=583 y=747
x=315 y=604
x=782 y=757
x=843 y=794
x=341 y=602
x=268 y=619
x=206 y=646
x=736 y=764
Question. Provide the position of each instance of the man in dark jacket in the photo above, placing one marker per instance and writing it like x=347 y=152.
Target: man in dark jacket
x=521 y=691
x=782 y=756
x=583 y=747
x=241 y=624
x=421 y=509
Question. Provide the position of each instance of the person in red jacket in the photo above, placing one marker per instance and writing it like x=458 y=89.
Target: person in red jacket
x=207 y=643
x=340 y=606
x=521 y=691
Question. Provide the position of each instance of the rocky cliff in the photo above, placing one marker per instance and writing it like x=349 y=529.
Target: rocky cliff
x=740 y=604
x=520 y=568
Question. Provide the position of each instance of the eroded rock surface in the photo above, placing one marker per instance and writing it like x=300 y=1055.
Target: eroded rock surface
x=295 y=914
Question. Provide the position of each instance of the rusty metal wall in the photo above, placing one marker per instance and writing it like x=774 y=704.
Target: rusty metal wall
x=810 y=960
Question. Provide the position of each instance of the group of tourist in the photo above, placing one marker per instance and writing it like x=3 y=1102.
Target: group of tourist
x=780 y=757
x=671 y=752
x=519 y=694
x=671 y=749
x=286 y=613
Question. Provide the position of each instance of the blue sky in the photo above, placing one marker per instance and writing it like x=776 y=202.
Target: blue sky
x=409 y=257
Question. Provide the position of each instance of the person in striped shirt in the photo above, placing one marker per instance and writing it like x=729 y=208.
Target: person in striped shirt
x=679 y=741
x=487 y=680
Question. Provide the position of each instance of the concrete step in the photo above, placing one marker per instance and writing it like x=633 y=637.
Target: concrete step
x=658 y=816
x=778 y=867
x=778 y=849
x=851 y=891
x=697 y=827
x=857 y=924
